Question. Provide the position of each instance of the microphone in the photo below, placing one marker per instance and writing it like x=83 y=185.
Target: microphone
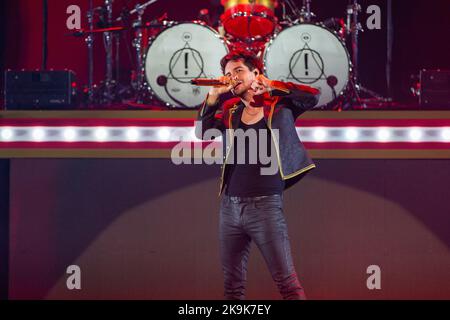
x=211 y=82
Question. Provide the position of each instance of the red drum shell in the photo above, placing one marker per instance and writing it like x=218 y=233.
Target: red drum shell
x=244 y=20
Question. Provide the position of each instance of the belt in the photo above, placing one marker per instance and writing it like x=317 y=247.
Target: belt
x=236 y=199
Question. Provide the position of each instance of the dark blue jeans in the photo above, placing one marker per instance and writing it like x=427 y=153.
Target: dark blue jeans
x=258 y=219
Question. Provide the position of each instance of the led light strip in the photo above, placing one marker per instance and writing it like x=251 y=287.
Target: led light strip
x=99 y=134
x=375 y=134
x=96 y=134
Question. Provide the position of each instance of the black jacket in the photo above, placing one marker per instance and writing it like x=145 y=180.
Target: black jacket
x=280 y=112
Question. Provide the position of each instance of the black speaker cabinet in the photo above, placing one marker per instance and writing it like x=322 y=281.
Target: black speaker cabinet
x=434 y=88
x=40 y=90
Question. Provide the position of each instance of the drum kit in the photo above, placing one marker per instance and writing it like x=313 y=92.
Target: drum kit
x=168 y=55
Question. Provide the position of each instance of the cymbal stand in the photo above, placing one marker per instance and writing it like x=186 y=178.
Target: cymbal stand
x=108 y=42
x=354 y=27
x=306 y=13
x=138 y=44
x=90 y=44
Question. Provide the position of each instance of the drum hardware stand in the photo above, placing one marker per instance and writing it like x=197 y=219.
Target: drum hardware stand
x=106 y=94
x=89 y=40
x=285 y=19
x=117 y=58
x=138 y=44
x=90 y=89
x=305 y=13
x=108 y=42
x=354 y=27
x=121 y=91
x=300 y=15
x=90 y=44
x=110 y=87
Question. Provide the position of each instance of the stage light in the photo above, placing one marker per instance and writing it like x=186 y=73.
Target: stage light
x=69 y=134
x=101 y=134
x=351 y=134
x=38 y=134
x=415 y=134
x=383 y=134
x=446 y=134
x=164 y=134
x=132 y=134
x=320 y=134
x=6 y=134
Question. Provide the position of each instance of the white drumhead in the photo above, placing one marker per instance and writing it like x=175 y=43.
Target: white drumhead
x=309 y=54
x=179 y=54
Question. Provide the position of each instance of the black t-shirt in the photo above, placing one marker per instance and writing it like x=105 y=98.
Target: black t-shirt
x=246 y=180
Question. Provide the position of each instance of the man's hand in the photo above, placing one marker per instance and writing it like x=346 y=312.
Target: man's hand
x=216 y=91
x=261 y=85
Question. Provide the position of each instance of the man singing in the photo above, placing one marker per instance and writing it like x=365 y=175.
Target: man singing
x=251 y=207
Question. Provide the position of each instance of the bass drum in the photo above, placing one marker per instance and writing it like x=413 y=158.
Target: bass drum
x=179 y=54
x=309 y=54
